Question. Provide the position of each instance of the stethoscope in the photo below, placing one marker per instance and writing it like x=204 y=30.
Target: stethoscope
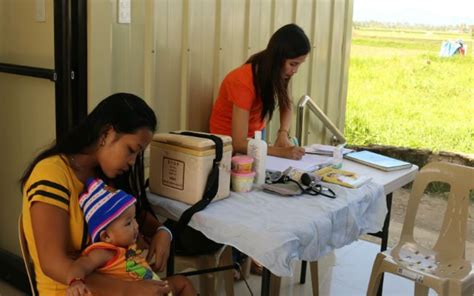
x=312 y=188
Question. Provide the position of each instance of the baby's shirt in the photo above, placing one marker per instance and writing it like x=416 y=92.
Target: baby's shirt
x=127 y=264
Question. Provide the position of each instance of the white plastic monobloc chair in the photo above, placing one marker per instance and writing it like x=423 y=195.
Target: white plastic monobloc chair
x=442 y=268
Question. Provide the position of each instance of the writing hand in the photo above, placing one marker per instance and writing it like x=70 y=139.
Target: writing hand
x=283 y=141
x=293 y=152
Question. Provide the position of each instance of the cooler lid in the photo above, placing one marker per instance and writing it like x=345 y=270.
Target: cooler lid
x=189 y=141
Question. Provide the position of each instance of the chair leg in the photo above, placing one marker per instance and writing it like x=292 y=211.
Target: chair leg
x=375 y=276
x=226 y=259
x=314 y=277
x=207 y=282
x=421 y=290
x=468 y=291
x=456 y=288
x=275 y=283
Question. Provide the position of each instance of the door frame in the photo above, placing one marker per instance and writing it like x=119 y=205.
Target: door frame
x=70 y=78
x=70 y=59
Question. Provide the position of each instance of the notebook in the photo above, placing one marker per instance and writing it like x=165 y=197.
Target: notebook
x=378 y=161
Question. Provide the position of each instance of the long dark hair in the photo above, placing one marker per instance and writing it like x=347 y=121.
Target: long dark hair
x=288 y=42
x=126 y=113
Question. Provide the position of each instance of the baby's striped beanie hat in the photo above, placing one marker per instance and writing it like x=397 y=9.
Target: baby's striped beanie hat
x=101 y=205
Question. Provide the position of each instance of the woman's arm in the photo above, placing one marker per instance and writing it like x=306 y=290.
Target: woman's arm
x=240 y=118
x=282 y=139
x=83 y=266
x=86 y=264
x=240 y=127
x=159 y=247
x=283 y=147
x=52 y=246
x=103 y=285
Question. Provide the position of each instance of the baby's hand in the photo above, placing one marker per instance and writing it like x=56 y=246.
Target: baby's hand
x=77 y=288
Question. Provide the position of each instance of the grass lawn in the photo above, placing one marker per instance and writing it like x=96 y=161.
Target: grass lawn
x=402 y=93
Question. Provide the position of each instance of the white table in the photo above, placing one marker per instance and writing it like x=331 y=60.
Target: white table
x=327 y=218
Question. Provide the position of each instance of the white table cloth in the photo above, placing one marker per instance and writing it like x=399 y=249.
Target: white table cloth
x=277 y=230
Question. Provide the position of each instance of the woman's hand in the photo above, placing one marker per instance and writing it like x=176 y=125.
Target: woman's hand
x=292 y=152
x=78 y=288
x=148 y=287
x=282 y=140
x=160 y=249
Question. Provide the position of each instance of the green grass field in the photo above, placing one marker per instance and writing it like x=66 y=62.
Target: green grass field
x=402 y=93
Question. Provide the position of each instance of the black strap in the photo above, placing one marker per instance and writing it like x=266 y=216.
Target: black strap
x=212 y=184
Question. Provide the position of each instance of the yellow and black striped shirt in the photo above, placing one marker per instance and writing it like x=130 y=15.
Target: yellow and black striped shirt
x=52 y=181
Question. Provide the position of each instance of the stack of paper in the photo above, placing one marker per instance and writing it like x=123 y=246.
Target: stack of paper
x=324 y=149
x=307 y=163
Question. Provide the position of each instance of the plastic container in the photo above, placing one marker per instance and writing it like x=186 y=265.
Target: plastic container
x=337 y=157
x=242 y=182
x=242 y=164
x=179 y=166
x=257 y=148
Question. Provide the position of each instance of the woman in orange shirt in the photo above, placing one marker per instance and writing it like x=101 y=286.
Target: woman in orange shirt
x=249 y=94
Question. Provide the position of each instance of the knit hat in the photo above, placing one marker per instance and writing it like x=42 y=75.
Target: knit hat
x=101 y=205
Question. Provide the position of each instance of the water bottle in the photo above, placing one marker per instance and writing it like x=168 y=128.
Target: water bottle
x=257 y=148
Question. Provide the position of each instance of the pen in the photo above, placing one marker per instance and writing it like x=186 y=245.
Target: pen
x=317 y=153
x=294 y=140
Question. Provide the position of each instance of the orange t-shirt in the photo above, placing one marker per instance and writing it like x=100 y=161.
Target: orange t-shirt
x=127 y=264
x=237 y=88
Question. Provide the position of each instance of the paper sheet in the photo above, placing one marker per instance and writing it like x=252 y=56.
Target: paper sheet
x=306 y=163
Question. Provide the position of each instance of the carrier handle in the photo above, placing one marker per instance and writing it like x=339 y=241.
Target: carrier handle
x=212 y=183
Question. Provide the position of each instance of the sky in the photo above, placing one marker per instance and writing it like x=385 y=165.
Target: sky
x=431 y=12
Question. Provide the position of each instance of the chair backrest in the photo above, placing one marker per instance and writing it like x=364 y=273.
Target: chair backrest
x=452 y=236
x=26 y=257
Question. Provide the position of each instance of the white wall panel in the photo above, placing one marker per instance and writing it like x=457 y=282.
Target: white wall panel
x=116 y=51
x=169 y=59
x=219 y=35
x=192 y=44
x=27 y=115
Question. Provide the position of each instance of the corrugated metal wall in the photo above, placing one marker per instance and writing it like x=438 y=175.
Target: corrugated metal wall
x=198 y=42
x=27 y=114
x=174 y=53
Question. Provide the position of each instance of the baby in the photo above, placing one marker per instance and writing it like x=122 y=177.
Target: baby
x=110 y=216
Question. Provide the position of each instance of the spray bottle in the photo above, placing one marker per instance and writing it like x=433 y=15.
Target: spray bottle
x=257 y=148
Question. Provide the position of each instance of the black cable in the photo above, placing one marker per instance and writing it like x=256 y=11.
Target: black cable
x=242 y=276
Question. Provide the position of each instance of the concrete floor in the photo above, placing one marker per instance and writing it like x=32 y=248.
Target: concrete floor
x=343 y=272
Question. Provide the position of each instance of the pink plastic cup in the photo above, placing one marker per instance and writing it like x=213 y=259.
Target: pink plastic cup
x=242 y=182
x=242 y=163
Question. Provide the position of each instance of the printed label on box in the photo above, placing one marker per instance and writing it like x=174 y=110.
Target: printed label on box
x=173 y=173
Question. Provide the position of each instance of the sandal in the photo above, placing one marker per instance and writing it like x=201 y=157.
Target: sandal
x=256 y=268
